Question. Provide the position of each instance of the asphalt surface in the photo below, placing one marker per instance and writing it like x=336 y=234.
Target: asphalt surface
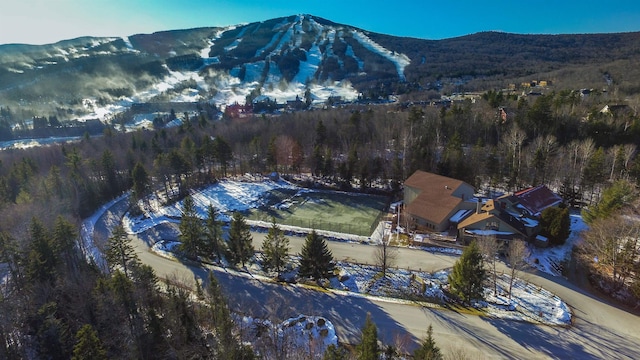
x=600 y=330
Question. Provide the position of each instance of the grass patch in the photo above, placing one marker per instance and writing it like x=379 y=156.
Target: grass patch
x=469 y=310
x=323 y=210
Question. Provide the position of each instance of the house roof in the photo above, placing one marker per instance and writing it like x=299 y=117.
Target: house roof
x=474 y=218
x=460 y=215
x=513 y=224
x=435 y=201
x=536 y=199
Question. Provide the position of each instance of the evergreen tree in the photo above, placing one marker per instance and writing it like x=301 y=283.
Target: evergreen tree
x=140 y=179
x=215 y=244
x=555 y=224
x=618 y=195
x=41 y=259
x=52 y=336
x=594 y=171
x=88 y=345
x=120 y=253
x=191 y=231
x=275 y=248
x=240 y=241
x=428 y=350
x=223 y=153
x=468 y=275
x=64 y=235
x=10 y=255
x=110 y=186
x=368 y=349
x=230 y=346
x=334 y=352
x=316 y=260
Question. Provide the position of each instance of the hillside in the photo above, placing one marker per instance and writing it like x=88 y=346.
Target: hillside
x=294 y=56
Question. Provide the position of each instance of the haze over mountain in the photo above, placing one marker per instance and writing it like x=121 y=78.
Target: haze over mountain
x=285 y=58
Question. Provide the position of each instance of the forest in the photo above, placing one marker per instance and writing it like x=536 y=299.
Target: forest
x=496 y=143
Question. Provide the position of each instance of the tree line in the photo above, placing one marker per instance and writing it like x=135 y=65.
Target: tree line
x=556 y=139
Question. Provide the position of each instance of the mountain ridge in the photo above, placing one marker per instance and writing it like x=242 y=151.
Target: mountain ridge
x=292 y=57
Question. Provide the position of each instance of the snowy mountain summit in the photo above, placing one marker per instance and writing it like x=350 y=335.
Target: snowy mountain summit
x=298 y=57
x=282 y=58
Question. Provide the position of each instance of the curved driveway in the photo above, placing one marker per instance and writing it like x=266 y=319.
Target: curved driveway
x=600 y=330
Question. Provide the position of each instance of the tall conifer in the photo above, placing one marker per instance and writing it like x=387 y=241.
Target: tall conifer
x=468 y=275
x=316 y=260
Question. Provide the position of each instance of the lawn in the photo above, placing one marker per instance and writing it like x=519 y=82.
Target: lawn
x=343 y=212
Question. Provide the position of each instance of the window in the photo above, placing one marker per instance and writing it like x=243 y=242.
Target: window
x=492 y=225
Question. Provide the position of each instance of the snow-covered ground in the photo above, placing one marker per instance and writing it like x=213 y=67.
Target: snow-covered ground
x=528 y=302
x=29 y=143
x=551 y=260
x=399 y=60
x=230 y=89
x=302 y=334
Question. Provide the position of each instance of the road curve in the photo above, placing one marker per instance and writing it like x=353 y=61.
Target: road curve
x=600 y=330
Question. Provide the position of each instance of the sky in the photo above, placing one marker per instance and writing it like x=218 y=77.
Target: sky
x=49 y=21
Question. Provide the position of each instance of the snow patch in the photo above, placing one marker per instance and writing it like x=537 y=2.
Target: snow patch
x=127 y=43
x=550 y=260
x=400 y=60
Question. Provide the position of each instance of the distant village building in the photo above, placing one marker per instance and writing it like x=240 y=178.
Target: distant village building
x=236 y=110
x=617 y=110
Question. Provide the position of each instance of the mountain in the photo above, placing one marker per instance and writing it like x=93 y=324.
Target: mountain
x=288 y=57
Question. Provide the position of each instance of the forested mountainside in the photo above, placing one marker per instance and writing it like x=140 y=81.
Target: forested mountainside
x=579 y=137
x=287 y=57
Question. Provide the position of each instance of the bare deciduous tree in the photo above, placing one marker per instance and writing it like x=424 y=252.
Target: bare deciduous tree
x=490 y=247
x=385 y=255
x=516 y=253
x=611 y=246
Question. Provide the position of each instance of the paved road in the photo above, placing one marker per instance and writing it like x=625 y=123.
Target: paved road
x=365 y=254
x=600 y=331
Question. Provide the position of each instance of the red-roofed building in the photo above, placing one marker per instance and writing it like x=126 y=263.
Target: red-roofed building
x=515 y=216
x=536 y=199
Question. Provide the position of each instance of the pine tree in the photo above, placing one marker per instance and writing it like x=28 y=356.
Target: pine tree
x=620 y=194
x=191 y=231
x=215 y=244
x=140 y=179
x=334 y=352
x=275 y=248
x=468 y=275
x=240 y=241
x=41 y=259
x=368 y=348
x=88 y=345
x=316 y=260
x=555 y=224
x=428 y=350
x=229 y=345
x=64 y=235
x=120 y=253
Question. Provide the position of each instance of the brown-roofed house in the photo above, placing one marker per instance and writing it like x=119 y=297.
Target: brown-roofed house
x=431 y=199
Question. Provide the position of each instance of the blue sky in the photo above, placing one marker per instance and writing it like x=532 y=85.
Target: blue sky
x=47 y=21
